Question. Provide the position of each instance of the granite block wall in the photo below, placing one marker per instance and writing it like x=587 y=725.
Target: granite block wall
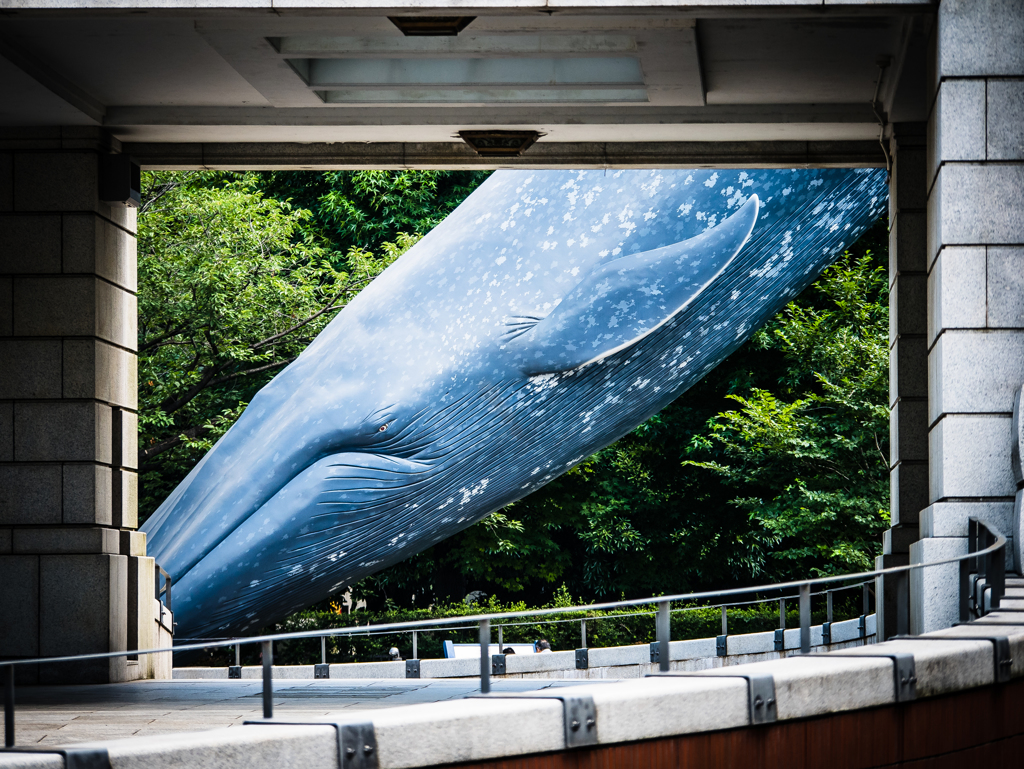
x=908 y=355
x=975 y=283
x=68 y=400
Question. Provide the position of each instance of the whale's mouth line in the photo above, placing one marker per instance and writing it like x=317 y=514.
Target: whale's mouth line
x=383 y=460
x=361 y=478
x=397 y=477
x=416 y=479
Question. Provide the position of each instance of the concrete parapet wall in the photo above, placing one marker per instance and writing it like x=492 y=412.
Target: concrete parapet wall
x=611 y=662
x=310 y=747
x=958 y=662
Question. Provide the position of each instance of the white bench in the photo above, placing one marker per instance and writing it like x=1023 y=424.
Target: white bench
x=462 y=651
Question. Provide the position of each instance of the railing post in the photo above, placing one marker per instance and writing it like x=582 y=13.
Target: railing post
x=664 y=634
x=865 y=609
x=323 y=650
x=965 y=590
x=903 y=603
x=975 y=567
x=9 y=706
x=722 y=641
x=583 y=634
x=826 y=627
x=984 y=566
x=415 y=654
x=501 y=638
x=881 y=632
x=157 y=573
x=268 y=683
x=805 y=618
x=972 y=541
x=780 y=634
x=998 y=575
x=485 y=656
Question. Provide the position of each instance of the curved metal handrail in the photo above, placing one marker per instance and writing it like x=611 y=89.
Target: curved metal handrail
x=369 y=630
x=978 y=530
x=999 y=544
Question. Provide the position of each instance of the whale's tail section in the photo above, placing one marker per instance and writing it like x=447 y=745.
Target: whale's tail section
x=621 y=301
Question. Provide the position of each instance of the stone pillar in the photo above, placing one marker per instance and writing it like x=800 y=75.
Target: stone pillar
x=908 y=355
x=67 y=407
x=975 y=284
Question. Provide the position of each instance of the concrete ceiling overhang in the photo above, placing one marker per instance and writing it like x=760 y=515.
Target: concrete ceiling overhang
x=308 y=84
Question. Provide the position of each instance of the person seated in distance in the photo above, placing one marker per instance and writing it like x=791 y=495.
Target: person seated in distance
x=543 y=646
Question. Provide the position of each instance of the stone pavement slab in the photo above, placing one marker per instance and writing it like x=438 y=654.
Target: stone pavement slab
x=61 y=715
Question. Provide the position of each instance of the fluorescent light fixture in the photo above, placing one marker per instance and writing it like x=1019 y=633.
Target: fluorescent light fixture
x=595 y=71
x=334 y=46
x=493 y=95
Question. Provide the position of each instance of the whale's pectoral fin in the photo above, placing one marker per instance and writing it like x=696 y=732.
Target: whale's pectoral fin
x=620 y=302
x=334 y=520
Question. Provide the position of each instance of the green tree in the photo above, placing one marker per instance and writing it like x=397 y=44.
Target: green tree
x=365 y=209
x=233 y=285
x=809 y=461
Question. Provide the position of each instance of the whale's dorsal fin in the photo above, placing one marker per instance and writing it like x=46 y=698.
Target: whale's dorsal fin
x=620 y=302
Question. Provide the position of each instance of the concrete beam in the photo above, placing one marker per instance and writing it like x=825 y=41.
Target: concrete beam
x=726 y=8
x=389 y=155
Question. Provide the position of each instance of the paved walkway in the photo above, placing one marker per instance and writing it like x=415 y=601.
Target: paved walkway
x=59 y=715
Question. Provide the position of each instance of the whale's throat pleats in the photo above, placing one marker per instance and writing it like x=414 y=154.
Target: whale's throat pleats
x=619 y=302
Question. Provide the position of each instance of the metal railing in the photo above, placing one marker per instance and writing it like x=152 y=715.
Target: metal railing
x=982 y=585
x=371 y=630
x=164 y=590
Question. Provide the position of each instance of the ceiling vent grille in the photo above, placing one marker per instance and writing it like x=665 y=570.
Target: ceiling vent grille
x=431 y=26
x=500 y=144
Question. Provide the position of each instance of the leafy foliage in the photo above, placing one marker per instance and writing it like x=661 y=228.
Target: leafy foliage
x=809 y=463
x=232 y=287
x=366 y=209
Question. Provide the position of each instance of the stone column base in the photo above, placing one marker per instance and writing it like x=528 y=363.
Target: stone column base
x=935 y=590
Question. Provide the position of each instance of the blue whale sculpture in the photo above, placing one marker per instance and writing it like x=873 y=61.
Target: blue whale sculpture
x=546 y=317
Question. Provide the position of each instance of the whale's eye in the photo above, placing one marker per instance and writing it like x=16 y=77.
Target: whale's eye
x=382 y=429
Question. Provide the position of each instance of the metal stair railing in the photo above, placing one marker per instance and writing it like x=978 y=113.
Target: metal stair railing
x=982 y=585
